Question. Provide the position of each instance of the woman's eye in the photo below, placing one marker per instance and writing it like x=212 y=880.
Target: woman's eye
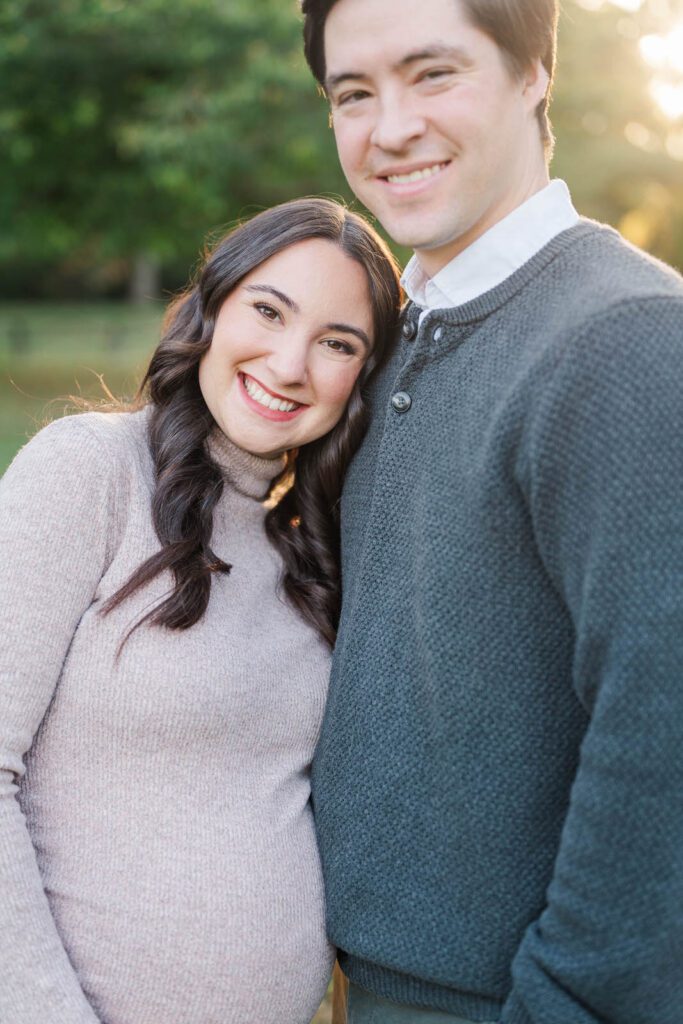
x=339 y=346
x=269 y=312
x=348 y=98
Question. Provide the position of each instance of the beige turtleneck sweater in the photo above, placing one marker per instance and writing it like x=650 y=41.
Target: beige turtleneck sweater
x=158 y=862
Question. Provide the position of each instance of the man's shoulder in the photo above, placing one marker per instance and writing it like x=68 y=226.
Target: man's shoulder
x=601 y=268
x=596 y=287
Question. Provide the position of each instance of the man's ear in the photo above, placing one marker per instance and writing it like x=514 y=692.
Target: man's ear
x=536 y=82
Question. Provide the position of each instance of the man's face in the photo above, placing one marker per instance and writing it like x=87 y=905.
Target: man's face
x=435 y=135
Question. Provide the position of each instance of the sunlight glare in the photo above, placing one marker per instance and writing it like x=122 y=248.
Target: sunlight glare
x=664 y=54
x=653 y=50
x=626 y=5
x=674 y=145
x=668 y=97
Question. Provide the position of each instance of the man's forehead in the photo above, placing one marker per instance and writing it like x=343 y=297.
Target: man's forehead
x=360 y=34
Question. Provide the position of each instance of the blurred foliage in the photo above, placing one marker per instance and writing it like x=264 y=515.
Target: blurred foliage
x=131 y=127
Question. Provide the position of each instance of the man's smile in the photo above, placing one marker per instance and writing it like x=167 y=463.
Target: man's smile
x=408 y=175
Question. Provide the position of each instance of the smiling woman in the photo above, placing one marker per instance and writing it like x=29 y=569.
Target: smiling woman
x=158 y=859
x=283 y=361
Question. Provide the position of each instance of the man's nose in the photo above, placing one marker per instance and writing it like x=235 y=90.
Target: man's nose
x=398 y=123
x=288 y=361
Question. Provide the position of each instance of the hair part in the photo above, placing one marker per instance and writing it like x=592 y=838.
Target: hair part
x=524 y=31
x=304 y=524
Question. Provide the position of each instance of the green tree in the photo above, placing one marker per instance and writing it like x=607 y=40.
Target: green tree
x=131 y=127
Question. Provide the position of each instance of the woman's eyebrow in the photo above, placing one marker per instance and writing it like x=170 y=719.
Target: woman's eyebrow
x=284 y=299
x=349 y=329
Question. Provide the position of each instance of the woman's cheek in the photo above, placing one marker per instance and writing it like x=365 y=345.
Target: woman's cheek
x=339 y=385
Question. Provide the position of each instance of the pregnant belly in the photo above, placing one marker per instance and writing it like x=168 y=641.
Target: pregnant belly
x=188 y=932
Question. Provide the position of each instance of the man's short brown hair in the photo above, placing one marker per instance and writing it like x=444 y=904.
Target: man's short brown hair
x=522 y=29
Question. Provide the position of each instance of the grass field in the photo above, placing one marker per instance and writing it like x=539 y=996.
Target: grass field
x=49 y=352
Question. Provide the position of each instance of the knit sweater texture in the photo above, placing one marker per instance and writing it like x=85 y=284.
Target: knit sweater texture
x=158 y=862
x=499 y=783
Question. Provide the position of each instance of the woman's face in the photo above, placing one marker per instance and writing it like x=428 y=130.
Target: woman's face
x=288 y=345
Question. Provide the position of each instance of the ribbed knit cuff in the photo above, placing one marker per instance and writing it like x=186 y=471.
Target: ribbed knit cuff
x=514 y=1012
x=403 y=988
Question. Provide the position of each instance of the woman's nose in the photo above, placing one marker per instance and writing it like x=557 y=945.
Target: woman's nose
x=288 y=361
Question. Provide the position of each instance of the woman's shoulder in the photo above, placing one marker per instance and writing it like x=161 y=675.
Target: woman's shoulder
x=115 y=429
x=82 y=475
x=102 y=437
x=80 y=455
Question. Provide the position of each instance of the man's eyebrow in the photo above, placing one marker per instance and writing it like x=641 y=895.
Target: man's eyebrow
x=430 y=52
x=285 y=299
x=349 y=329
x=435 y=50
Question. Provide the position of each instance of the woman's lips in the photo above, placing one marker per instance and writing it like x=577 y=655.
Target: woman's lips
x=261 y=400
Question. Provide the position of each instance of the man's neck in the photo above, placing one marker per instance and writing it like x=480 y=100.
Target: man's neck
x=434 y=260
x=496 y=254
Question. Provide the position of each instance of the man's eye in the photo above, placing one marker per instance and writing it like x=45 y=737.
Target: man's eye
x=433 y=74
x=269 y=312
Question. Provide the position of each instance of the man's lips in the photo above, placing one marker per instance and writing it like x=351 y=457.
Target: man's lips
x=411 y=179
x=265 y=402
x=412 y=174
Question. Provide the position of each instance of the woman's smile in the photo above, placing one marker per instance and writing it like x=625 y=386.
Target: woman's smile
x=266 y=402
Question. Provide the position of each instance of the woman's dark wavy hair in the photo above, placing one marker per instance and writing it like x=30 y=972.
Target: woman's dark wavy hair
x=304 y=524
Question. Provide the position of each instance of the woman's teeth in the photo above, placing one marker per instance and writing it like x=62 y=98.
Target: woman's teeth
x=424 y=172
x=263 y=398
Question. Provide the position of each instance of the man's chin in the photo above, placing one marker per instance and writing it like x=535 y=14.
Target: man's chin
x=418 y=233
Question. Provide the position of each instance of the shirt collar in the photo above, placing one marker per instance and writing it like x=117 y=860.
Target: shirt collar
x=497 y=254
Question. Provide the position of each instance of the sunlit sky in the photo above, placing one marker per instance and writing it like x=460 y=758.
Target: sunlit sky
x=662 y=53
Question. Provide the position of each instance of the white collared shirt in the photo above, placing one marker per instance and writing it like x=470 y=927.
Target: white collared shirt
x=497 y=254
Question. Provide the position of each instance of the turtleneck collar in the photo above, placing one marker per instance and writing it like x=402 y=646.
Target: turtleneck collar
x=249 y=474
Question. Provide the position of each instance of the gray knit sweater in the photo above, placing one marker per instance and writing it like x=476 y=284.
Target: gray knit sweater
x=499 y=782
x=158 y=862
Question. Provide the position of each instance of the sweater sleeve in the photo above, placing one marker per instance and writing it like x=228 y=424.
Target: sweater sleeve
x=54 y=515
x=605 y=485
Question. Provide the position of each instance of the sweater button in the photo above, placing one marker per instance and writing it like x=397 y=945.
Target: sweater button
x=409 y=329
x=401 y=401
x=438 y=334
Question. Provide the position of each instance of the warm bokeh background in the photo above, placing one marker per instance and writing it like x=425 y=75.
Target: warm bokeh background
x=131 y=129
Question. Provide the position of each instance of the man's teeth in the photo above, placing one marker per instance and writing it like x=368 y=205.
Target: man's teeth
x=425 y=172
x=269 y=401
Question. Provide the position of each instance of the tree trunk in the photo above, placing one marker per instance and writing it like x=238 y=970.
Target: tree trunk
x=145 y=279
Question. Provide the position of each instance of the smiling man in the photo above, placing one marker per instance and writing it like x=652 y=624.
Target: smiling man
x=498 y=786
